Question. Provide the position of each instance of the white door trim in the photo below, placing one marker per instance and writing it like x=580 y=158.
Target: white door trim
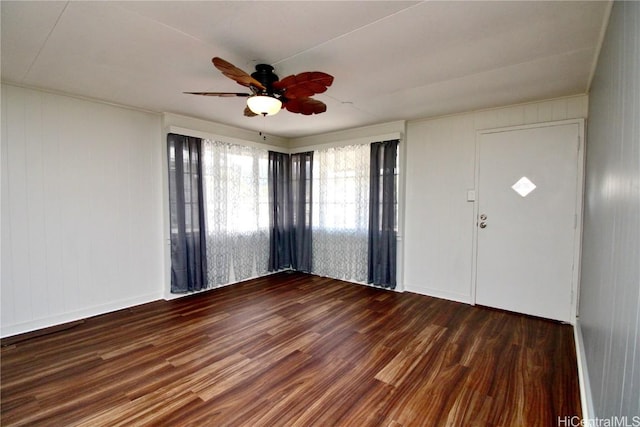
x=577 y=241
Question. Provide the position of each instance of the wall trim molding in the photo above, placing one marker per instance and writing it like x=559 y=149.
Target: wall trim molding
x=498 y=108
x=437 y=293
x=80 y=97
x=208 y=129
x=226 y=139
x=355 y=141
x=352 y=136
x=72 y=316
x=601 y=36
x=168 y=296
x=586 y=397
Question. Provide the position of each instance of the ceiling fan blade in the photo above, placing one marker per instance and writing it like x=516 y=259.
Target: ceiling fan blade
x=306 y=106
x=304 y=85
x=221 y=94
x=248 y=112
x=235 y=73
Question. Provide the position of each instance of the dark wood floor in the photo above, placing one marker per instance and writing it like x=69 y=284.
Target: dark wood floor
x=295 y=350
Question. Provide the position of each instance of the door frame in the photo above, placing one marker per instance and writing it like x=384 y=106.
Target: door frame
x=577 y=239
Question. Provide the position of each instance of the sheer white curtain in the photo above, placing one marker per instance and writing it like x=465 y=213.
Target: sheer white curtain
x=236 y=211
x=341 y=212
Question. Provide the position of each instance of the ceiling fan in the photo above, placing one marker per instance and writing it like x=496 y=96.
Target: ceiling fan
x=269 y=94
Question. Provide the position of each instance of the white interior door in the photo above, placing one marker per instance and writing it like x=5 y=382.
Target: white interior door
x=527 y=196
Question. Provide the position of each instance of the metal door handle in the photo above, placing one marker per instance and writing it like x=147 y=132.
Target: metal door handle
x=483 y=224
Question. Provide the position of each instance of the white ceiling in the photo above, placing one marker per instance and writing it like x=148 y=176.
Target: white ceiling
x=392 y=60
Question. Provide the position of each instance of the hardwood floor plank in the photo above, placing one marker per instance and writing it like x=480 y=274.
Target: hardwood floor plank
x=293 y=349
x=397 y=371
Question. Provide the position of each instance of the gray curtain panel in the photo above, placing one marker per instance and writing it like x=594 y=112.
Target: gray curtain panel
x=188 y=243
x=301 y=204
x=279 y=211
x=382 y=250
x=290 y=178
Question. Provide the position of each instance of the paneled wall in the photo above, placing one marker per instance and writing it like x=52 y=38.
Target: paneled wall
x=440 y=169
x=81 y=209
x=610 y=292
x=82 y=203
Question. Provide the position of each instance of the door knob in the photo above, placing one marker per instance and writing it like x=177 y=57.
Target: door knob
x=483 y=217
x=483 y=224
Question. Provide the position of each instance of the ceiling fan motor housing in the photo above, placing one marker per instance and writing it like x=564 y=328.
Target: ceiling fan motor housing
x=265 y=75
x=269 y=94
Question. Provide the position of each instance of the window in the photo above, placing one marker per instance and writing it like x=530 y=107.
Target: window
x=341 y=212
x=351 y=234
x=236 y=211
x=189 y=183
x=341 y=188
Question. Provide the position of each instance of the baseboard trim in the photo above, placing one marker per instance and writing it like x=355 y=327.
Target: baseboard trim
x=586 y=398
x=436 y=293
x=168 y=296
x=77 y=315
x=16 y=339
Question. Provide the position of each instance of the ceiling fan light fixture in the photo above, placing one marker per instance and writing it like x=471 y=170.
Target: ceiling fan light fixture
x=264 y=105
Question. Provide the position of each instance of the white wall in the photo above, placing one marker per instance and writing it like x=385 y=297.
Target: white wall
x=610 y=288
x=81 y=209
x=74 y=171
x=440 y=169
